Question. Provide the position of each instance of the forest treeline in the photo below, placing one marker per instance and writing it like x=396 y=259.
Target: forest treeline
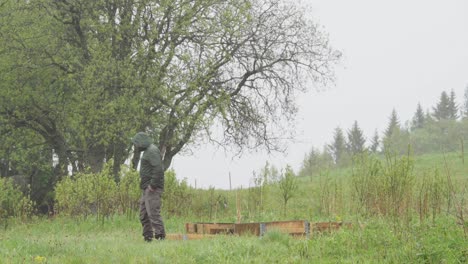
x=440 y=128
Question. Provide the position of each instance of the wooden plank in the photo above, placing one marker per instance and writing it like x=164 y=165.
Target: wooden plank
x=190 y=228
x=329 y=226
x=247 y=229
x=188 y=236
x=209 y=228
x=295 y=228
x=257 y=228
x=290 y=227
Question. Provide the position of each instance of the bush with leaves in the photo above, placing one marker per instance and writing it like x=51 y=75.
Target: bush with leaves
x=176 y=195
x=128 y=190
x=87 y=193
x=288 y=186
x=383 y=188
x=12 y=202
x=98 y=194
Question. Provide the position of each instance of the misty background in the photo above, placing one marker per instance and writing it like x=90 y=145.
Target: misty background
x=396 y=54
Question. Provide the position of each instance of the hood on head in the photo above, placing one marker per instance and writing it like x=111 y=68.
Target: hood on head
x=142 y=140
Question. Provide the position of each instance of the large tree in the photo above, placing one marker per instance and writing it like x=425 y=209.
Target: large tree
x=356 y=139
x=83 y=76
x=442 y=109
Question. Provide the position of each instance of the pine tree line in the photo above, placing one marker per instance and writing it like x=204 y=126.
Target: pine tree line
x=442 y=128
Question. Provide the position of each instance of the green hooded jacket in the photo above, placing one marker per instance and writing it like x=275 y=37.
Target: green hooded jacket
x=151 y=168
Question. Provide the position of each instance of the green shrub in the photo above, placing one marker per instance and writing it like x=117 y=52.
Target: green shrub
x=329 y=195
x=98 y=194
x=383 y=188
x=288 y=186
x=12 y=202
x=432 y=194
x=128 y=191
x=177 y=198
x=87 y=193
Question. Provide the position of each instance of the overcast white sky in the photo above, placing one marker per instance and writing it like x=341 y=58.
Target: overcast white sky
x=396 y=53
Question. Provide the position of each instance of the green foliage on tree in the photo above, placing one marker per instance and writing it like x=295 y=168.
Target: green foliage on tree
x=396 y=138
x=356 y=140
x=78 y=78
x=375 y=143
x=464 y=108
x=428 y=132
x=419 y=118
x=453 y=106
x=316 y=161
x=393 y=125
x=338 y=147
x=441 y=136
x=13 y=203
x=288 y=186
x=268 y=174
x=442 y=109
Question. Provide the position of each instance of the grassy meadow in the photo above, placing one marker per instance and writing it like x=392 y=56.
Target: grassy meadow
x=407 y=211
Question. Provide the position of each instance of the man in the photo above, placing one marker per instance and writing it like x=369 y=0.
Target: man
x=152 y=186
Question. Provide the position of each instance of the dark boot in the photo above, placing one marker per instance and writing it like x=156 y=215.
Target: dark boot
x=160 y=237
x=148 y=236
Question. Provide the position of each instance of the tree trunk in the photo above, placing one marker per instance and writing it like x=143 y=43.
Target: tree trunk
x=94 y=158
x=119 y=155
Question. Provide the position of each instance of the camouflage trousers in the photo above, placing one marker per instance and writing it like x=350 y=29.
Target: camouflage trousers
x=150 y=214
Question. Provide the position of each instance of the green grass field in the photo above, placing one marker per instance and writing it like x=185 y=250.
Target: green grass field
x=118 y=240
x=401 y=236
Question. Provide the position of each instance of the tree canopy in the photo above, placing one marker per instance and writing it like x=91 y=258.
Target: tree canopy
x=78 y=78
x=446 y=108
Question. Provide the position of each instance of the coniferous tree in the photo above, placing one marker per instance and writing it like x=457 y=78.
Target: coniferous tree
x=393 y=125
x=419 y=118
x=338 y=147
x=375 y=142
x=442 y=110
x=464 y=109
x=464 y=106
x=395 y=137
x=452 y=107
x=356 y=140
x=310 y=162
x=429 y=118
x=316 y=161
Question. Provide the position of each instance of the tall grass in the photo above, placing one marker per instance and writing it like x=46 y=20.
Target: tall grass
x=64 y=240
x=403 y=209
